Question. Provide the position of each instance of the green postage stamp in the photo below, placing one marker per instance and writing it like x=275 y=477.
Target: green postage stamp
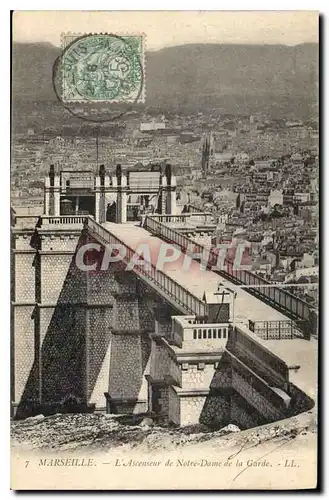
x=103 y=68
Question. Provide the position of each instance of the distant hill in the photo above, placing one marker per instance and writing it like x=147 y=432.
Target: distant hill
x=235 y=78
x=32 y=70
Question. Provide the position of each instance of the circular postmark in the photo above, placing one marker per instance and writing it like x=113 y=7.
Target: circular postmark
x=100 y=69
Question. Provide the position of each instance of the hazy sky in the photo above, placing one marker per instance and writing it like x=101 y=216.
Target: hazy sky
x=164 y=29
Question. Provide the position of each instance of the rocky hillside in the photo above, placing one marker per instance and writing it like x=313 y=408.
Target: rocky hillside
x=102 y=432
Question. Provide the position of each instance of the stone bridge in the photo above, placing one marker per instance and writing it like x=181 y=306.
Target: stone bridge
x=145 y=340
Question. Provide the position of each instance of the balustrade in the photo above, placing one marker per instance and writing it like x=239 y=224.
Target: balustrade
x=62 y=219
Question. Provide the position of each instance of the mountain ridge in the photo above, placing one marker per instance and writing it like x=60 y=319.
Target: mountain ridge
x=197 y=76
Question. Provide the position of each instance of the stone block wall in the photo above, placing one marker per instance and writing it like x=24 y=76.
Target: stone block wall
x=175 y=372
x=24 y=278
x=160 y=361
x=147 y=310
x=197 y=376
x=255 y=398
x=55 y=269
x=48 y=336
x=22 y=238
x=299 y=401
x=243 y=414
x=164 y=366
x=100 y=324
x=64 y=343
x=58 y=240
x=190 y=409
x=24 y=343
x=163 y=328
x=222 y=377
x=235 y=395
x=25 y=349
x=62 y=318
x=45 y=316
x=126 y=314
x=128 y=368
x=216 y=412
x=174 y=414
x=62 y=356
x=121 y=336
x=163 y=400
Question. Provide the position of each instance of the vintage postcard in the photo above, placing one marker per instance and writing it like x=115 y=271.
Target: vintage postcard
x=165 y=250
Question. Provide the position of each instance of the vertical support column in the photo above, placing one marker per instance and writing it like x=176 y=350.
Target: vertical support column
x=101 y=200
x=122 y=201
x=170 y=202
x=163 y=194
x=46 y=197
x=171 y=197
x=97 y=199
x=105 y=198
x=57 y=196
x=51 y=209
x=232 y=308
x=114 y=183
x=77 y=205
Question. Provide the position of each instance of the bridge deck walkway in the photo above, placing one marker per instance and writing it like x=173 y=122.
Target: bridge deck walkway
x=297 y=353
x=194 y=279
x=300 y=355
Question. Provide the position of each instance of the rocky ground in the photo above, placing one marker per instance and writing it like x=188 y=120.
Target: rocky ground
x=102 y=432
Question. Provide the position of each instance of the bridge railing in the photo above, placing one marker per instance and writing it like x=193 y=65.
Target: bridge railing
x=280 y=298
x=27 y=221
x=178 y=294
x=255 y=353
x=202 y=217
x=172 y=235
x=62 y=219
x=168 y=218
x=283 y=329
x=190 y=328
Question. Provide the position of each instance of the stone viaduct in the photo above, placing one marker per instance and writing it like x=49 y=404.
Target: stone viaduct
x=134 y=341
